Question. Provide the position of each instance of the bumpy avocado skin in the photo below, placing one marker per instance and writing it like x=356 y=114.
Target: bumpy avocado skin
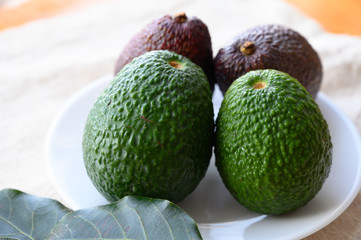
x=273 y=146
x=150 y=133
x=188 y=36
x=275 y=47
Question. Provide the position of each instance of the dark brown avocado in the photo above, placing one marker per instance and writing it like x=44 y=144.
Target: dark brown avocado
x=187 y=36
x=269 y=47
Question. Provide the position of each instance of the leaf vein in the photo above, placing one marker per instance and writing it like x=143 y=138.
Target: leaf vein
x=18 y=229
x=69 y=229
x=141 y=221
x=92 y=224
x=165 y=219
x=184 y=223
x=10 y=205
x=116 y=220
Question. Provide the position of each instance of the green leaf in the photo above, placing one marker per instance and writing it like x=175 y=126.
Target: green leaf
x=129 y=218
x=23 y=216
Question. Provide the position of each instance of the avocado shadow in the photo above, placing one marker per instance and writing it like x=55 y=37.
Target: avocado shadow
x=301 y=222
x=212 y=203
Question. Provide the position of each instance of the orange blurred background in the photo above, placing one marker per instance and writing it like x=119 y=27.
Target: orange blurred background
x=334 y=15
x=17 y=12
x=337 y=16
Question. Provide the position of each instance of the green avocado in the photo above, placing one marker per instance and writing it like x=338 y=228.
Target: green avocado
x=150 y=133
x=273 y=146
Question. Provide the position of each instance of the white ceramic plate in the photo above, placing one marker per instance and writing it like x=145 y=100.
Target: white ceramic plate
x=217 y=214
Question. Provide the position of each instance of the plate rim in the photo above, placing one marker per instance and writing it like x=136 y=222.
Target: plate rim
x=51 y=131
x=354 y=190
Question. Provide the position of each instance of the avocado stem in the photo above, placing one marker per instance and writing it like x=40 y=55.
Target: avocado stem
x=259 y=85
x=176 y=64
x=180 y=17
x=247 y=48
